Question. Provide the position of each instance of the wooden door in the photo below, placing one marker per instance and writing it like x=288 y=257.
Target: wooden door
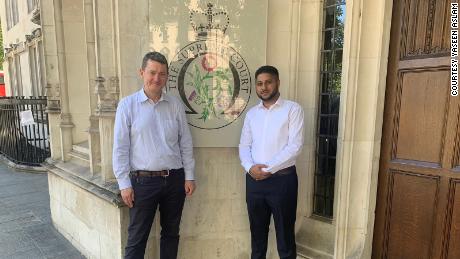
x=418 y=201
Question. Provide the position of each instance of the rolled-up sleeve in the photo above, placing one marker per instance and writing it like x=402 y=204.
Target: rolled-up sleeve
x=121 y=146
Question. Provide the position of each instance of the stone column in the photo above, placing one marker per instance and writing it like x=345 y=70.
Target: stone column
x=53 y=109
x=93 y=130
x=56 y=77
x=106 y=51
x=65 y=118
x=94 y=143
x=106 y=108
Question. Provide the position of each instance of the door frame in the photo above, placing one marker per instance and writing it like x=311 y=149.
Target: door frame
x=367 y=38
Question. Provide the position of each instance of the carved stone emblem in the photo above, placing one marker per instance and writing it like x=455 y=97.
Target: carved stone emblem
x=209 y=76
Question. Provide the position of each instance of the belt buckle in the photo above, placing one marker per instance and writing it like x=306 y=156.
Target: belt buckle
x=167 y=174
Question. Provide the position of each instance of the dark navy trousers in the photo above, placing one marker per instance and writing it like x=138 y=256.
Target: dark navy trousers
x=275 y=196
x=168 y=194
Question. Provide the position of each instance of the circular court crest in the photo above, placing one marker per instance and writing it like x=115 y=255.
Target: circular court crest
x=210 y=77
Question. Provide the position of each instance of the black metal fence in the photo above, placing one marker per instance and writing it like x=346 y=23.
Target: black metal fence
x=24 y=130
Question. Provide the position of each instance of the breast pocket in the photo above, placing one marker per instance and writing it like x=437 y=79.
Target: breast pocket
x=171 y=131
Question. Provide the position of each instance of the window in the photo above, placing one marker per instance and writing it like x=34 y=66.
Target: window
x=328 y=109
x=8 y=14
x=36 y=70
x=41 y=67
x=12 y=15
x=14 y=69
x=33 y=71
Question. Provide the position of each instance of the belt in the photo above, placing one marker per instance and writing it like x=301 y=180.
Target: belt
x=285 y=171
x=144 y=173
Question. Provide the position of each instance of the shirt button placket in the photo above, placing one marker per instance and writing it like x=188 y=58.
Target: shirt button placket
x=264 y=132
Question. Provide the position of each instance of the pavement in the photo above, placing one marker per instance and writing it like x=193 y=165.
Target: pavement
x=26 y=230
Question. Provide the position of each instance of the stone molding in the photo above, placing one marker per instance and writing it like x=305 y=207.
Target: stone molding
x=36 y=16
x=19 y=47
x=14 y=49
x=94 y=124
x=66 y=120
x=107 y=96
x=54 y=104
x=33 y=38
x=107 y=191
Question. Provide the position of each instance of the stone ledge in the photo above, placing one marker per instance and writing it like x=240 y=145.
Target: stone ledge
x=81 y=177
x=307 y=252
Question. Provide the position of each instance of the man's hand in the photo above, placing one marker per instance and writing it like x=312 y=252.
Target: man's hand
x=189 y=187
x=257 y=174
x=128 y=196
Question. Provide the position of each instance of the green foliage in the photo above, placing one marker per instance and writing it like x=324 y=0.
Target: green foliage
x=204 y=97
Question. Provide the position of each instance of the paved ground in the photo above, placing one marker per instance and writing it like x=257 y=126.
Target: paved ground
x=26 y=230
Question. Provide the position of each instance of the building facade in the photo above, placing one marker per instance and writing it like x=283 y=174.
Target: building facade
x=377 y=174
x=22 y=41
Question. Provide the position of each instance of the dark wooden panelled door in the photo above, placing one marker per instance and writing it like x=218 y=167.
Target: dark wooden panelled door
x=418 y=201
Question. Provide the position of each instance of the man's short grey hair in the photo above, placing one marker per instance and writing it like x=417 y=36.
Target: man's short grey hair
x=154 y=56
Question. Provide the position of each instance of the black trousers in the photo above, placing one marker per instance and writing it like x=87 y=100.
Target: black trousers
x=168 y=194
x=275 y=196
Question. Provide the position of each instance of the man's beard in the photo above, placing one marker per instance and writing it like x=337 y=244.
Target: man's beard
x=270 y=97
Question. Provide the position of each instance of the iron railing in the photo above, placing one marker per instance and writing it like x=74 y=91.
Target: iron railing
x=25 y=143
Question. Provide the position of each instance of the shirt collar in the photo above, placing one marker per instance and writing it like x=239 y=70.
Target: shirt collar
x=142 y=97
x=278 y=102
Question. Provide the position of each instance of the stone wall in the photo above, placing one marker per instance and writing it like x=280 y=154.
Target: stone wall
x=93 y=225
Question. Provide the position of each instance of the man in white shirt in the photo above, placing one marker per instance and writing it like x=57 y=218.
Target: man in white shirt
x=153 y=159
x=271 y=139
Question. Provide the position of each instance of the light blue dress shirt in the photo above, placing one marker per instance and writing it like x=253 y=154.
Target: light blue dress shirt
x=151 y=136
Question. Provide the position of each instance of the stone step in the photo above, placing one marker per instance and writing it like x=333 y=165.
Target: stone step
x=312 y=254
x=80 y=154
x=79 y=158
x=82 y=147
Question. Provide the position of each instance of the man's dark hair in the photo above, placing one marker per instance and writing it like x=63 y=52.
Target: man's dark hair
x=269 y=70
x=154 y=56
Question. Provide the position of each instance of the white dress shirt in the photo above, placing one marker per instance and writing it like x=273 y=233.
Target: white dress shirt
x=151 y=136
x=273 y=136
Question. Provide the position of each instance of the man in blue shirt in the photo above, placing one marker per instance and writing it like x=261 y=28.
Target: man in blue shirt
x=153 y=159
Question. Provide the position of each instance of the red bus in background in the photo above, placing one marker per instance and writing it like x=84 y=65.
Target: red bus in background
x=2 y=84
